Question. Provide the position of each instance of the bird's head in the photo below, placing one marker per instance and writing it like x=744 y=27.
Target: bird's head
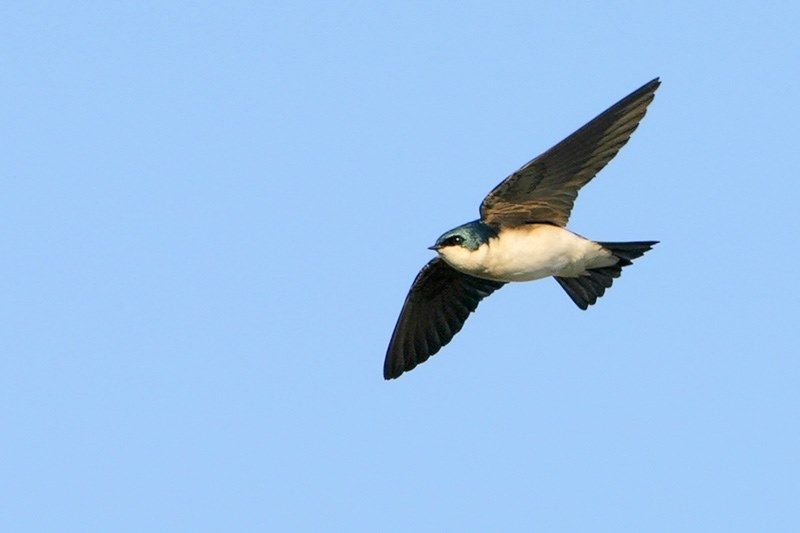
x=470 y=236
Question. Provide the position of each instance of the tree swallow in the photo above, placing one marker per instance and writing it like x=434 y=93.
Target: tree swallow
x=521 y=236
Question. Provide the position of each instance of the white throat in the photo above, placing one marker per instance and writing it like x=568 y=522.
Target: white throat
x=465 y=260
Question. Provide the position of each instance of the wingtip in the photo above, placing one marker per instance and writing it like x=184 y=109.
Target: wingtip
x=393 y=368
x=390 y=373
x=653 y=84
x=648 y=89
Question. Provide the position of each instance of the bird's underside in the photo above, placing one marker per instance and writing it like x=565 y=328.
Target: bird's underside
x=541 y=193
x=529 y=252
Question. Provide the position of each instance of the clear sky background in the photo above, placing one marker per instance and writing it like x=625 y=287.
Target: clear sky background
x=211 y=214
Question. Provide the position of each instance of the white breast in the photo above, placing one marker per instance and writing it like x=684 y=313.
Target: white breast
x=528 y=253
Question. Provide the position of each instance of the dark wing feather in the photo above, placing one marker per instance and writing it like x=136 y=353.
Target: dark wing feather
x=544 y=190
x=438 y=304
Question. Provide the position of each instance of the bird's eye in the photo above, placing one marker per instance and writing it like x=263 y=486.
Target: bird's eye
x=455 y=240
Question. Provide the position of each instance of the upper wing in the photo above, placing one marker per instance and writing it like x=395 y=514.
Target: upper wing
x=545 y=189
x=440 y=300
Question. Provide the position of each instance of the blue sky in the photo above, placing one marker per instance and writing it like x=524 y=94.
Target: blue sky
x=212 y=214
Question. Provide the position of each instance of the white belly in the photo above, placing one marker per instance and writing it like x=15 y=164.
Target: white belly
x=528 y=253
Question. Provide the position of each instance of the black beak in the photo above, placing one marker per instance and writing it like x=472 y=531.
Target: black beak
x=434 y=247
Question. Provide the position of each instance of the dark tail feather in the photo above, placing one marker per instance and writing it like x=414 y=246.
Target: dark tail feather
x=585 y=290
x=628 y=250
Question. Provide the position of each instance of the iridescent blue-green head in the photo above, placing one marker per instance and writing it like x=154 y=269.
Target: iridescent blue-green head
x=470 y=236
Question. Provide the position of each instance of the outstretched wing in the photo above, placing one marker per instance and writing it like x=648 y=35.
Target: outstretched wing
x=439 y=302
x=544 y=190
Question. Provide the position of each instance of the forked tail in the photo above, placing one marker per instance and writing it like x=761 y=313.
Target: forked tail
x=585 y=290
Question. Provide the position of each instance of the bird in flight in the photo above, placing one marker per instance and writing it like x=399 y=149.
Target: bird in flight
x=521 y=236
